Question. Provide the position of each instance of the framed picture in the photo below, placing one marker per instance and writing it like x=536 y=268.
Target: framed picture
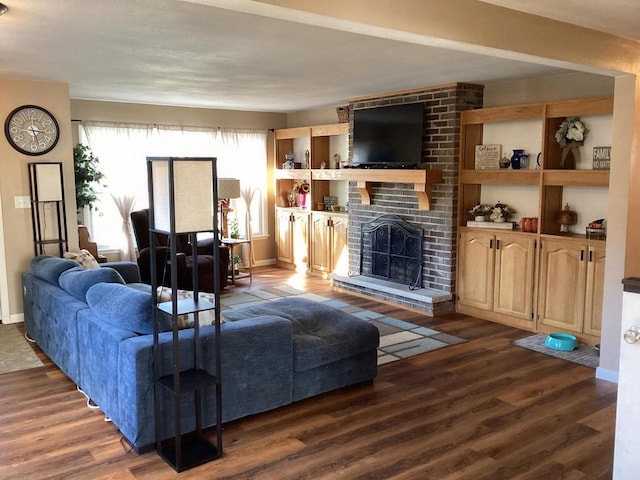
x=601 y=158
x=488 y=156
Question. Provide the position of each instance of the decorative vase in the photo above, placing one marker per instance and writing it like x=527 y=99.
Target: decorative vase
x=516 y=159
x=302 y=200
x=569 y=156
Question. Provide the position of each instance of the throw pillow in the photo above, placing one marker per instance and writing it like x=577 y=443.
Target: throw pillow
x=84 y=258
x=77 y=281
x=208 y=317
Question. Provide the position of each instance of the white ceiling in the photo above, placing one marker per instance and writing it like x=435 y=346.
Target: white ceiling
x=196 y=53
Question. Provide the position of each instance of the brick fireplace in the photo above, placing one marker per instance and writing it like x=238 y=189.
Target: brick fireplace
x=443 y=105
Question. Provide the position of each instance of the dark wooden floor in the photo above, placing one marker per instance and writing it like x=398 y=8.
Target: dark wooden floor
x=479 y=410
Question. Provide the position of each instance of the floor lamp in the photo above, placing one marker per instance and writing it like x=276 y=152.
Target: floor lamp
x=227 y=188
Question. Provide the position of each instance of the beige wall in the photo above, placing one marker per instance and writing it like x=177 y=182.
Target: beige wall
x=14 y=181
x=320 y=116
x=86 y=110
x=549 y=88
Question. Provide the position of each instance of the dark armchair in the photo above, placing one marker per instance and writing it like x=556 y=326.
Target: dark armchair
x=140 y=223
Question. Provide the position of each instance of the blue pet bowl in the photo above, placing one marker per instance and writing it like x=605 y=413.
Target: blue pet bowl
x=561 y=341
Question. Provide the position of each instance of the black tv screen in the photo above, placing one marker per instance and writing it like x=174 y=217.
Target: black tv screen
x=388 y=137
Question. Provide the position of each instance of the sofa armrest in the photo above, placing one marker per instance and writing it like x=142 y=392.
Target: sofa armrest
x=128 y=270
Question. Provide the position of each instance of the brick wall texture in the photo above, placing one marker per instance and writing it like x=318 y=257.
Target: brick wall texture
x=441 y=151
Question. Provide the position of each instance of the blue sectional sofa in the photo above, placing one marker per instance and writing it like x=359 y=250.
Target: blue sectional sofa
x=96 y=326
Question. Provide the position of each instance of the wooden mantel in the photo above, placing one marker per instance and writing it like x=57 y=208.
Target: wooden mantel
x=421 y=180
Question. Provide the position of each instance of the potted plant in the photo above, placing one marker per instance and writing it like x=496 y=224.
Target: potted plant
x=501 y=212
x=87 y=175
x=236 y=264
x=480 y=212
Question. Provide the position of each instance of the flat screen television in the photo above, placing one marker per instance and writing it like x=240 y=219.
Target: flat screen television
x=388 y=137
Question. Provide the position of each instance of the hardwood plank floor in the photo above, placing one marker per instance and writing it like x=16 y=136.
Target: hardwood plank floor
x=479 y=410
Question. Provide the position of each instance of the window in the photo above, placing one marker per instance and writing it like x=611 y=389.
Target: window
x=122 y=150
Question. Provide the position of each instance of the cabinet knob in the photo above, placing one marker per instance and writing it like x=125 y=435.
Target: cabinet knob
x=632 y=335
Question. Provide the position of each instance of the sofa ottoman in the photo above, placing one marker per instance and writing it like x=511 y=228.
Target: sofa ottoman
x=331 y=348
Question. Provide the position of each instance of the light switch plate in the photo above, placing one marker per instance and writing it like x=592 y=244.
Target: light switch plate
x=22 y=202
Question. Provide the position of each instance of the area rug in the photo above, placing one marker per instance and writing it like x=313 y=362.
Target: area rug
x=398 y=339
x=15 y=353
x=584 y=355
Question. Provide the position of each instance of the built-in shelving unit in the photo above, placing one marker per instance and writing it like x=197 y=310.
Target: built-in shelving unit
x=486 y=259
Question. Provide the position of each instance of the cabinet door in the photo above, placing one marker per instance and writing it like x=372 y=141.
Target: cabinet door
x=595 y=290
x=514 y=270
x=320 y=244
x=562 y=284
x=476 y=270
x=284 y=237
x=340 y=245
x=301 y=241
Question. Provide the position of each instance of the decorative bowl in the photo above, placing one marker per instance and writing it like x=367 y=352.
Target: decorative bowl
x=561 y=341
x=336 y=208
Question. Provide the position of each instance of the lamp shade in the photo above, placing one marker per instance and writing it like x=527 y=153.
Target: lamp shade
x=48 y=182
x=183 y=186
x=228 y=188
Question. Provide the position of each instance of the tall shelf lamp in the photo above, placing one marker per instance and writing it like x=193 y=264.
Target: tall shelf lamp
x=48 y=208
x=181 y=201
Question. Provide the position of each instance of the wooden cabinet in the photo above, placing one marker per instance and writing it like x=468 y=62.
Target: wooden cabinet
x=566 y=283
x=571 y=286
x=329 y=239
x=292 y=235
x=496 y=273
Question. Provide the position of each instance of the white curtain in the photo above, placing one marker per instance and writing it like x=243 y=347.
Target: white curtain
x=126 y=204
x=247 y=194
x=122 y=150
x=242 y=152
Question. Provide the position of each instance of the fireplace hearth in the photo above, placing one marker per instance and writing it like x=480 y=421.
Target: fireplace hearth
x=391 y=249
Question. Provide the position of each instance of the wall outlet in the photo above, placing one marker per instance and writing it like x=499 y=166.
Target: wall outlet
x=22 y=202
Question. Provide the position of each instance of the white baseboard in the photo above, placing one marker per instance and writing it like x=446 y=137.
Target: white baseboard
x=16 y=318
x=608 y=375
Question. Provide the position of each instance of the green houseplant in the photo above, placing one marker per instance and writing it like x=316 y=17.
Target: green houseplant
x=87 y=175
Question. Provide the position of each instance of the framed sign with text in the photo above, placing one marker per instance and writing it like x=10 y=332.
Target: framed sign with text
x=488 y=156
x=601 y=158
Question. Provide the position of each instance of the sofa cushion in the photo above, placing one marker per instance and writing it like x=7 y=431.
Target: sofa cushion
x=124 y=307
x=321 y=334
x=49 y=268
x=77 y=281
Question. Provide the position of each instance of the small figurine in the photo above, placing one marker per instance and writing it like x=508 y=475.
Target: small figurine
x=336 y=161
x=307 y=155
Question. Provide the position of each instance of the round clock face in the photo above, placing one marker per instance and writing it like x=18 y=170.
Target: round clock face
x=31 y=130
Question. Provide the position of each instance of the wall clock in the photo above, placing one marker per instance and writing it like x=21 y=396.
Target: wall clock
x=31 y=130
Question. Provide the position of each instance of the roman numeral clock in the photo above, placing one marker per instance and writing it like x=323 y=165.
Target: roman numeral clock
x=32 y=130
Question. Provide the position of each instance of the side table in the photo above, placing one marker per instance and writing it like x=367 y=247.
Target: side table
x=232 y=243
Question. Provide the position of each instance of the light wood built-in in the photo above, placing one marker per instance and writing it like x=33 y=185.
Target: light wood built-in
x=566 y=271
x=318 y=137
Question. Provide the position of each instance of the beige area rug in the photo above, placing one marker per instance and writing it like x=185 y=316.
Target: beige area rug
x=398 y=338
x=15 y=352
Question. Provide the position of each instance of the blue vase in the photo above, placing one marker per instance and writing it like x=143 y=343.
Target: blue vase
x=516 y=159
